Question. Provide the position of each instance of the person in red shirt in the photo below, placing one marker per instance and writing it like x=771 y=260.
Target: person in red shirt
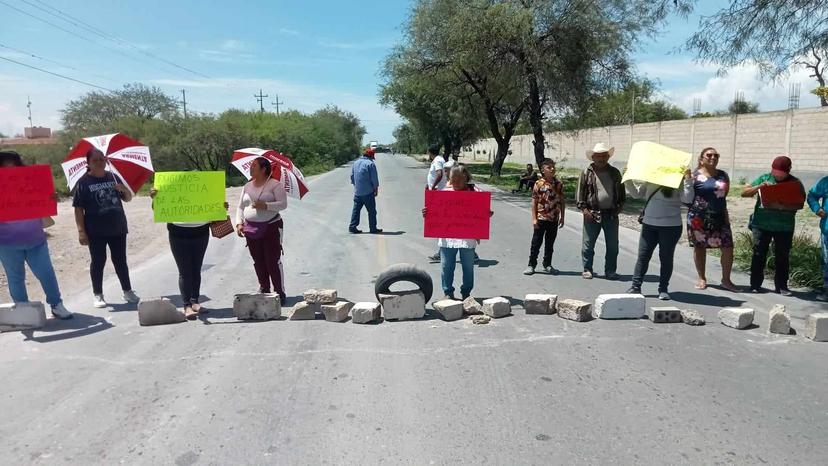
x=547 y=216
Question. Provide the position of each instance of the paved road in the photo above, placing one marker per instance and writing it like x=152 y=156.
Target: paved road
x=521 y=390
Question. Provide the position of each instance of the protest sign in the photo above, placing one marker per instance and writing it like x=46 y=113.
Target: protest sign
x=788 y=194
x=27 y=193
x=657 y=164
x=189 y=197
x=457 y=214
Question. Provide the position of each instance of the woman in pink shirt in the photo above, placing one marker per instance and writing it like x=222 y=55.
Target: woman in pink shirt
x=258 y=220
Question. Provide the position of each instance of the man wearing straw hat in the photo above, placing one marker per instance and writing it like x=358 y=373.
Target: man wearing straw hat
x=600 y=197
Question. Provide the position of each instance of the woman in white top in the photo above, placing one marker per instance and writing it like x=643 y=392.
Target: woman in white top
x=459 y=180
x=258 y=220
x=188 y=243
x=661 y=226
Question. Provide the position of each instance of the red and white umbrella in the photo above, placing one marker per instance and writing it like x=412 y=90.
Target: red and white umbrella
x=283 y=169
x=125 y=157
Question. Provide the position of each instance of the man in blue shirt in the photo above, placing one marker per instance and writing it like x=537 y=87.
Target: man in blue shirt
x=817 y=200
x=366 y=186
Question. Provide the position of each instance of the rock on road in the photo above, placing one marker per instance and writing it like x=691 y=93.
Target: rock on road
x=525 y=389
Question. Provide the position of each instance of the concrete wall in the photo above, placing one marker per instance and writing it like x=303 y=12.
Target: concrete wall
x=748 y=143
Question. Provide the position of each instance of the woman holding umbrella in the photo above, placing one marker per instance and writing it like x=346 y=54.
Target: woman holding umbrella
x=101 y=222
x=258 y=220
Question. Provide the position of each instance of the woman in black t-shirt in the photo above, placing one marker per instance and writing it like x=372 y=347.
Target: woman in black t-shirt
x=99 y=215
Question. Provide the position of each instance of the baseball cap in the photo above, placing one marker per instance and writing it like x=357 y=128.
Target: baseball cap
x=781 y=166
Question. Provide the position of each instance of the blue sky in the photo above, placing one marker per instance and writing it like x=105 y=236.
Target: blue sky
x=311 y=53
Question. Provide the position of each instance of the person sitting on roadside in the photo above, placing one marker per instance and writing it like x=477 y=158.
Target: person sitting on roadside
x=817 y=201
x=548 y=207
x=773 y=222
x=450 y=248
x=527 y=179
x=600 y=198
x=661 y=226
x=366 y=188
x=708 y=221
x=101 y=221
x=258 y=221
x=24 y=242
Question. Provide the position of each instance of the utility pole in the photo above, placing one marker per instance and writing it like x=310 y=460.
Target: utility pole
x=29 y=106
x=184 y=101
x=277 y=104
x=260 y=98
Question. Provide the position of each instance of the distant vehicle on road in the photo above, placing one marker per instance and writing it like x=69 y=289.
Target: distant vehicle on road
x=373 y=145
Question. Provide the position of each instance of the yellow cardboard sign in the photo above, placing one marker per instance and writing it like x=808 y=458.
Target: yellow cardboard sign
x=656 y=164
x=189 y=197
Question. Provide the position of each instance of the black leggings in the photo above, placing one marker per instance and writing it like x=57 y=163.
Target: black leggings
x=188 y=247
x=117 y=249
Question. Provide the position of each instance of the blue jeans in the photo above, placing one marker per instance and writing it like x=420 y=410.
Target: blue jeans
x=14 y=259
x=825 y=259
x=370 y=203
x=448 y=256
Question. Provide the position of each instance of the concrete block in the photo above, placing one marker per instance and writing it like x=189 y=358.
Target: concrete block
x=692 y=317
x=572 y=309
x=257 y=306
x=22 y=316
x=620 y=306
x=403 y=305
x=305 y=311
x=779 y=321
x=314 y=296
x=449 y=309
x=497 y=307
x=540 y=303
x=472 y=306
x=816 y=326
x=736 y=317
x=363 y=313
x=159 y=311
x=664 y=315
x=337 y=312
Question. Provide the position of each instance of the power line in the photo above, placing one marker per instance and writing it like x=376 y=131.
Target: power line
x=24 y=52
x=84 y=25
x=56 y=74
x=65 y=30
x=277 y=104
x=184 y=101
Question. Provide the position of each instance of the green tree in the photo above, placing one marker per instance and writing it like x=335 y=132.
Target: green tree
x=409 y=140
x=774 y=34
x=738 y=107
x=617 y=108
x=96 y=111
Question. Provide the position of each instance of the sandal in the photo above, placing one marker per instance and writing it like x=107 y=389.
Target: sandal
x=587 y=275
x=730 y=286
x=198 y=309
x=701 y=285
x=189 y=313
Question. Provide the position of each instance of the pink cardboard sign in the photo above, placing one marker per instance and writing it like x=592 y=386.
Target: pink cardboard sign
x=457 y=214
x=27 y=193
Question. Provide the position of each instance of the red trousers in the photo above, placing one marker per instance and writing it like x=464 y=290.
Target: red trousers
x=267 y=258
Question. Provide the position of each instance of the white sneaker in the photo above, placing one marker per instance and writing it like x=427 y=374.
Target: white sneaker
x=131 y=297
x=61 y=312
x=98 y=301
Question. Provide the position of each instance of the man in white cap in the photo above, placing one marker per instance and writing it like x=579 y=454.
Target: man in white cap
x=600 y=197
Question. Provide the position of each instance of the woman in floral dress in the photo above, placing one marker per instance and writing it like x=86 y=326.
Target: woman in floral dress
x=708 y=223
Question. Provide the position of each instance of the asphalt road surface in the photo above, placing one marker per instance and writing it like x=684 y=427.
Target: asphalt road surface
x=521 y=390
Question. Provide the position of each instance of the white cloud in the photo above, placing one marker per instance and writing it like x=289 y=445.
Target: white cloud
x=377 y=44
x=230 y=45
x=717 y=92
x=288 y=32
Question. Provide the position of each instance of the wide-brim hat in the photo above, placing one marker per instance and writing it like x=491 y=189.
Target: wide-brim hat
x=598 y=149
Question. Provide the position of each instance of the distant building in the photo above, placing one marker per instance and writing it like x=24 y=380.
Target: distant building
x=37 y=132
